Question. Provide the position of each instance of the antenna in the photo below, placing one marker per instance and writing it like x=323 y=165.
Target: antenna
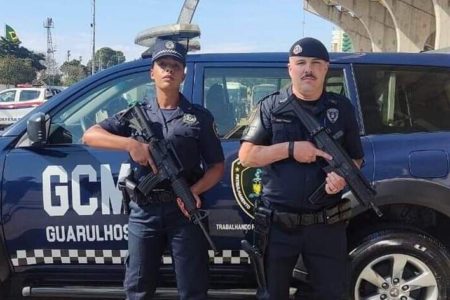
x=93 y=38
x=50 y=57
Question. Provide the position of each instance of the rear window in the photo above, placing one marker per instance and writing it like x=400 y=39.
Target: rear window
x=397 y=99
x=29 y=95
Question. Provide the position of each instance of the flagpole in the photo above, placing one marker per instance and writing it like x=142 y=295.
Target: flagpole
x=93 y=38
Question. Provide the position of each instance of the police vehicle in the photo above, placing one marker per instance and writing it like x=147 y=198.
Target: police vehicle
x=17 y=102
x=63 y=231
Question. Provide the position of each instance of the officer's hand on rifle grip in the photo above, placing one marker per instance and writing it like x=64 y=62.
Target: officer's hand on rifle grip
x=140 y=153
x=198 y=204
x=306 y=152
x=334 y=183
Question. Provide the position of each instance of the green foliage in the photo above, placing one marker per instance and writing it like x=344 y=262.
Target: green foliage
x=347 y=45
x=55 y=79
x=73 y=71
x=14 y=49
x=15 y=70
x=106 y=57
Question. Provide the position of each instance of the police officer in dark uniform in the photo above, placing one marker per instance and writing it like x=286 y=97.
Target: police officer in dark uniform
x=158 y=222
x=292 y=174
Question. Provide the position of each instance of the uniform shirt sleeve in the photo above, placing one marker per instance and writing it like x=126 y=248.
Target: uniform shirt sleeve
x=115 y=125
x=352 y=139
x=210 y=146
x=259 y=130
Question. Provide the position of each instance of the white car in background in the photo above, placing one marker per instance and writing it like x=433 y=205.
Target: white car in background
x=17 y=102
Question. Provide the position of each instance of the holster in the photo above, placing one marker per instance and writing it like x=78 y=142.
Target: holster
x=129 y=191
x=263 y=220
x=126 y=194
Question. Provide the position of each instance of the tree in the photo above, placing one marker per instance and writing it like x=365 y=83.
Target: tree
x=15 y=70
x=347 y=45
x=73 y=71
x=14 y=49
x=106 y=57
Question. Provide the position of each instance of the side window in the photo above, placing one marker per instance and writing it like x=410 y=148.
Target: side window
x=335 y=82
x=7 y=96
x=404 y=99
x=231 y=94
x=26 y=95
x=68 y=125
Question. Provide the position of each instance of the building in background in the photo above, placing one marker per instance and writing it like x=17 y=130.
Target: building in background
x=388 y=25
x=340 y=41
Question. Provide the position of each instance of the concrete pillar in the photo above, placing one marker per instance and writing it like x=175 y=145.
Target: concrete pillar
x=377 y=20
x=351 y=25
x=414 y=22
x=442 y=13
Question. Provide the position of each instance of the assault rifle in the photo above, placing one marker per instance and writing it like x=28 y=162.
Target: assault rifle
x=168 y=165
x=341 y=163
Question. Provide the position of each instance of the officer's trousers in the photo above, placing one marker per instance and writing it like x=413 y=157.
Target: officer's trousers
x=153 y=228
x=324 y=250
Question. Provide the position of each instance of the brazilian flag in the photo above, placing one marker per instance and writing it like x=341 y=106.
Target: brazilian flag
x=11 y=35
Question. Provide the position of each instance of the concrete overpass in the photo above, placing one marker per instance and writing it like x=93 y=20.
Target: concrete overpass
x=388 y=25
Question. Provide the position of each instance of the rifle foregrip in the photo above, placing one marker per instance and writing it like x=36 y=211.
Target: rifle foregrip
x=183 y=191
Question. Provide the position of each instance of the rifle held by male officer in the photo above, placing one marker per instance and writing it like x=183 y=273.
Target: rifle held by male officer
x=168 y=165
x=341 y=163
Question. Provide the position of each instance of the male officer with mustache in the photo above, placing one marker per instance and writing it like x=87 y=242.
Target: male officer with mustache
x=314 y=227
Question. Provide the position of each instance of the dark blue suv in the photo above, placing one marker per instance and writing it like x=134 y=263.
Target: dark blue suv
x=63 y=228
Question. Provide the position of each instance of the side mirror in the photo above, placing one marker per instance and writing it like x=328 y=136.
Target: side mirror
x=37 y=128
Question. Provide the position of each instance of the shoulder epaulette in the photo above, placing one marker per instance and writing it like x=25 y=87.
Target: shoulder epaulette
x=335 y=98
x=269 y=96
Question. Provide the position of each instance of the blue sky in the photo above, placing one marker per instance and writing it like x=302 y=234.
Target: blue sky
x=226 y=26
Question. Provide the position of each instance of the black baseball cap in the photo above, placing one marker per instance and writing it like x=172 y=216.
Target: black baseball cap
x=171 y=48
x=309 y=47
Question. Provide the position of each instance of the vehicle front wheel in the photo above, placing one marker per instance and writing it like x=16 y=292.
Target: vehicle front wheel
x=399 y=264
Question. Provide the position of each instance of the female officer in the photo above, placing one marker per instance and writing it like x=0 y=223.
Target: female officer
x=159 y=221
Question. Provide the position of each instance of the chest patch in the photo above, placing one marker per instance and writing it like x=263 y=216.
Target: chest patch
x=332 y=115
x=189 y=119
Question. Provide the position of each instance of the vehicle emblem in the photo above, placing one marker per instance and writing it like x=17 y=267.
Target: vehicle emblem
x=246 y=185
x=332 y=115
x=297 y=49
x=189 y=119
x=170 y=45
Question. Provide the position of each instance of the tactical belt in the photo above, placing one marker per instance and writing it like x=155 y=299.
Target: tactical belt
x=334 y=214
x=157 y=196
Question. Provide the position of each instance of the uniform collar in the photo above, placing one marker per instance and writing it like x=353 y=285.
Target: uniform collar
x=185 y=107
x=322 y=105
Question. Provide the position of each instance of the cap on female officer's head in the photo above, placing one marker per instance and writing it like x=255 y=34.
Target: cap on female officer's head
x=169 y=48
x=309 y=47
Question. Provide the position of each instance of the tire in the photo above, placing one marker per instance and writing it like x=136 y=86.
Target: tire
x=422 y=264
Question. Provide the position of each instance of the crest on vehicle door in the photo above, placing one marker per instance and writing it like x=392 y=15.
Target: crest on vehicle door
x=247 y=186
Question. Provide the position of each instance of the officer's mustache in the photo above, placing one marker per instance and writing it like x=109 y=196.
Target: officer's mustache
x=309 y=75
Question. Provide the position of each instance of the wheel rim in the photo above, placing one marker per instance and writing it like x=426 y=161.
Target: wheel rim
x=396 y=277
